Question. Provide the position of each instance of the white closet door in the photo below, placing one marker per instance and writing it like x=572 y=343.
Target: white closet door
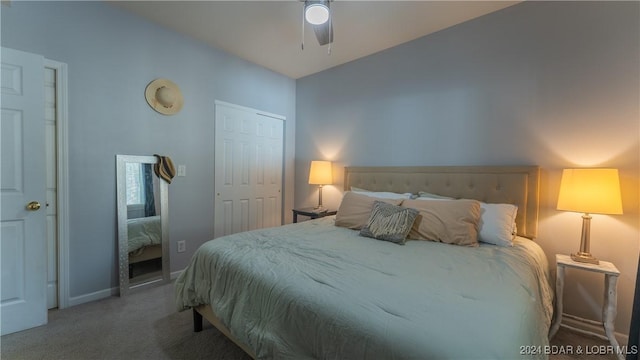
x=23 y=265
x=248 y=169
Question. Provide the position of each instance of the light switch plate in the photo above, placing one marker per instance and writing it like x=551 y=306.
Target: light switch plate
x=182 y=170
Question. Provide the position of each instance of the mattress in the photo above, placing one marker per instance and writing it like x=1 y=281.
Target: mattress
x=314 y=290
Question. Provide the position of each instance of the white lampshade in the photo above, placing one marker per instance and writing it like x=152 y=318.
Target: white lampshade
x=320 y=173
x=591 y=191
x=316 y=13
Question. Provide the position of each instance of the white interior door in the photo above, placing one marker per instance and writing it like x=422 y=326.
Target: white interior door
x=22 y=237
x=248 y=169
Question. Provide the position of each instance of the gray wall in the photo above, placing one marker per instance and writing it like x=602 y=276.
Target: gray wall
x=554 y=84
x=112 y=55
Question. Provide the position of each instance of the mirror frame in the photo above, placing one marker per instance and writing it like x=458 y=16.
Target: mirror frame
x=123 y=239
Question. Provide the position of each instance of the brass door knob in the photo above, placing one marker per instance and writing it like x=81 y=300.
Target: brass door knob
x=33 y=206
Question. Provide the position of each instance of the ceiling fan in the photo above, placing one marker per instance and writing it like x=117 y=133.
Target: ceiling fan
x=318 y=14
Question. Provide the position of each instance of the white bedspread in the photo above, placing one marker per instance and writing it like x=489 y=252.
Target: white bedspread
x=314 y=290
x=144 y=231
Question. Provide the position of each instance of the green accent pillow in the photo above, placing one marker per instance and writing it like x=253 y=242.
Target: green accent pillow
x=389 y=222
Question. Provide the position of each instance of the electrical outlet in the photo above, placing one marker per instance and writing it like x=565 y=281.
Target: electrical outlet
x=182 y=246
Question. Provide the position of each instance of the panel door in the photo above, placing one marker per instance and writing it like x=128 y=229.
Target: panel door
x=23 y=174
x=248 y=170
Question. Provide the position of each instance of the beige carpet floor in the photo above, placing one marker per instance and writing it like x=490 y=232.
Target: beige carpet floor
x=145 y=325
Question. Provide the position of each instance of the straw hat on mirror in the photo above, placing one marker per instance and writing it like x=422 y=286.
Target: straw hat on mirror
x=164 y=168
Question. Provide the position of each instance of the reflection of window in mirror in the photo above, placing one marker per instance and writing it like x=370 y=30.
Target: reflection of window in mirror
x=139 y=191
x=135 y=195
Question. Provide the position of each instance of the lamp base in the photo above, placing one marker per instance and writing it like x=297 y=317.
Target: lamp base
x=319 y=208
x=584 y=258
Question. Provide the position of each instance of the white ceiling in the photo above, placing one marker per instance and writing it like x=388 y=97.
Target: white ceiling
x=269 y=33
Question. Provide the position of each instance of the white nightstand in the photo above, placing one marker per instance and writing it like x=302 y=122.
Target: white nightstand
x=609 y=308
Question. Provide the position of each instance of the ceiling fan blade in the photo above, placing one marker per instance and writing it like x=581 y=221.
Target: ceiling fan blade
x=324 y=33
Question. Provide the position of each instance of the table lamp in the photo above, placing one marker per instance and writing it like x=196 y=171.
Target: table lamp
x=589 y=191
x=320 y=174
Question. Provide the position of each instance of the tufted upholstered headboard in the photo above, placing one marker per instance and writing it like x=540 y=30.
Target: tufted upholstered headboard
x=491 y=184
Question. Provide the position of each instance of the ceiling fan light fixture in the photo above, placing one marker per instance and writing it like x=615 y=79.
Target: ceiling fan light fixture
x=316 y=13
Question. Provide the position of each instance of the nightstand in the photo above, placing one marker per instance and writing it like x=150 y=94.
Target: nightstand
x=609 y=308
x=312 y=213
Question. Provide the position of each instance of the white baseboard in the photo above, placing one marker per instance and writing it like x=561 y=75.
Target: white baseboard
x=175 y=274
x=101 y=294
x=98 y=295
x=623 y=339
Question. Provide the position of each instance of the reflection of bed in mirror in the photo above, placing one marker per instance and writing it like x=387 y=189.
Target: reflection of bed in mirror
x=145 y=246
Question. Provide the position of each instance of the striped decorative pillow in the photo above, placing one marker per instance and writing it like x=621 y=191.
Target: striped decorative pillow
x=389 y=222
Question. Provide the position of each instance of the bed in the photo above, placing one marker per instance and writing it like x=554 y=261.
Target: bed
x=316 y=290
x=145 y=239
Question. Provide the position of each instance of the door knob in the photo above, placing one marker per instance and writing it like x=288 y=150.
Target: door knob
x=33 y=206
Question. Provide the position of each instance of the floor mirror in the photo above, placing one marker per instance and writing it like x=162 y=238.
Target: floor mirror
x=143 y=226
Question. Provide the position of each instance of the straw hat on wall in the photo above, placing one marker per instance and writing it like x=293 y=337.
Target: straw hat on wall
x=164 y=96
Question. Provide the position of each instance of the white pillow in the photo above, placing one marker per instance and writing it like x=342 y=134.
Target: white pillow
x=381 y=194
x=497 y=224
x=497 y=221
